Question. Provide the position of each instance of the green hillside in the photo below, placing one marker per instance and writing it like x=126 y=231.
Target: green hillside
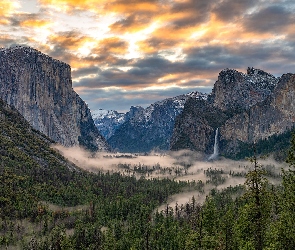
x=42 y=195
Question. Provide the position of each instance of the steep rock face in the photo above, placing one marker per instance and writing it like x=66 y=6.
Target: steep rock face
x=40 y=88
x=237 y=91
x=150 y=128
x=273 y=116
x=248 y=108
x=195 y=127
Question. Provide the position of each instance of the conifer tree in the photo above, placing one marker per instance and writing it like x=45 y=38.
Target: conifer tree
x=287 y=216
x=254 y=214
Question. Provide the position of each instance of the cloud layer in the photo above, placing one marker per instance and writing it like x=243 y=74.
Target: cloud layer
x=123 y=51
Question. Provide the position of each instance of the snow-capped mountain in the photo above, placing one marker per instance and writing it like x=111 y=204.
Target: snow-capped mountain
x=151 y=128
x=108 y=121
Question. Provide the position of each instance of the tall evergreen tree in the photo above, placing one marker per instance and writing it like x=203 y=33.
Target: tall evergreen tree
x=254 y=214
x=287 y=217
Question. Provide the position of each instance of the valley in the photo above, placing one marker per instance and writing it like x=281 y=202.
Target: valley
x=195 y=171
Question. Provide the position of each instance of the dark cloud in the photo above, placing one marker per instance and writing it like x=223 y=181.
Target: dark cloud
x=229 y=10
x=112 y=45
x=132 y=22
x=61 y=53
x=272 y=19
x=85 y=71
x=154 y=44
x=201 y=63
x=104 y=99
x=16 y=20
x=7 y=41
x=194 y=12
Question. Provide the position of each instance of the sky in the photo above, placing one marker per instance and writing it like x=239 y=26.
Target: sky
x=135 y=52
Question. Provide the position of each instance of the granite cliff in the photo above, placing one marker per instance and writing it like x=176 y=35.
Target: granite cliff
x=247 y=108
x=40 y=88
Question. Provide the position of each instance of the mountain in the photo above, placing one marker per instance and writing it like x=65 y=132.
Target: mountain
x=40 y=88
x=247 y=108
x=108 y=121
x=150 y=128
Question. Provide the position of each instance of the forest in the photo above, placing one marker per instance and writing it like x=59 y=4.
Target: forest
x=49 y=203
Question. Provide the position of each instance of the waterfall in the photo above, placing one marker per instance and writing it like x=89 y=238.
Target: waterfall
x=215 y=151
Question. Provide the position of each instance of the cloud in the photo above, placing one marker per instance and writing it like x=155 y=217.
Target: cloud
x=191 y=13
x=6 y=40
x=131 y=23
x=141 y=6
x=102 y=6
x=72 y=5
x=7 y=8
x=33 y=20
x=35 y=23
x=111 y=45
x=139 y=44
x=231 y=10
x=121 y=100
x=85 y=71
x=70 y=40
x=273 y=19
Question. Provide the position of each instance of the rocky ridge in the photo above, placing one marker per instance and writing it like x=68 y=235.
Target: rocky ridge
x=247 y=108
x=40 y=88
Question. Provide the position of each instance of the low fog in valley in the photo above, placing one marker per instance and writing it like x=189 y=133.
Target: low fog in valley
x=181 y=165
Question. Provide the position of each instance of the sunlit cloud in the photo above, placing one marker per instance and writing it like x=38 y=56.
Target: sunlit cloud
x=147 y=46
x=35 y=23
x=72 y=5
x=7 y=8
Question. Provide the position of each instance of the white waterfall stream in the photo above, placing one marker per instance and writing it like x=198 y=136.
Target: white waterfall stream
x=216 y=150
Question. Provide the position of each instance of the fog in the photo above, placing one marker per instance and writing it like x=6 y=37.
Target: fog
x=182 y=165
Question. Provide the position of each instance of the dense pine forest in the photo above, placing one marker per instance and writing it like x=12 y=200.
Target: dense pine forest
x=49 y=203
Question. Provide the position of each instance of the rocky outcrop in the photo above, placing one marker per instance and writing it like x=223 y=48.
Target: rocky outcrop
x=237 y=91
x=40 y=88
x=248 y=108
x=273 y=116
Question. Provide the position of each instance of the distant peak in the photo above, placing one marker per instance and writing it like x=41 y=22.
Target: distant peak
x=254 y=71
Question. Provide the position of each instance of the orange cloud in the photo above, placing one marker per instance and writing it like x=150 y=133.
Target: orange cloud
x=113 y=45
x=35 y=23
x=70 y=40
x=104 y=6
x=131 y=24
x=131 y=6
x=69 y=5
x=7 y=7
